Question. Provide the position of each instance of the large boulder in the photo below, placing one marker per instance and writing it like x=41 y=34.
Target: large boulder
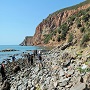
x=66 y=45
x=6 y=85
x=79 y=86
x=16 y=69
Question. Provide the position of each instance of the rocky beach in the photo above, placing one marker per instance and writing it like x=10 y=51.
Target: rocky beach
x=54 y=57
x=64 y=68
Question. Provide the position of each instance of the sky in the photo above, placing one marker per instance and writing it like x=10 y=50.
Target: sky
x=19 y=18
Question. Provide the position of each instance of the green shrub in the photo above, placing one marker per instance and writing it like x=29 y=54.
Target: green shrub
x=78 y=23
x=72 y=18
x=82 y=29
x=58 y=38
x=88 y=9
x=83 y=70
x=86 y=17
x=85 y=39
x=88 y=29
x=47 y=38
x=70 y=37
x=59 y=30
x=87 y=25
x=54 y=32
x=80 y=13
x=64 y=28
x=70 y=22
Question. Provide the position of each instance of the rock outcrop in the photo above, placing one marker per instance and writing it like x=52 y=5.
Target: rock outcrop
x=27 y=41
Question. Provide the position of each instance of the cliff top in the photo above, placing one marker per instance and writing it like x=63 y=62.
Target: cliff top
x=70 y=8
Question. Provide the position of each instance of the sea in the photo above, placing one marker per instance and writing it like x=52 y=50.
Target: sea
x=4 y=56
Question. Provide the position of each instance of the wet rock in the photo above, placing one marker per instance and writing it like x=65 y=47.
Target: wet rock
x=8 y=50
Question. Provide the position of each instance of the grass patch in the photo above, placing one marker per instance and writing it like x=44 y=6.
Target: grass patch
x=83 y=70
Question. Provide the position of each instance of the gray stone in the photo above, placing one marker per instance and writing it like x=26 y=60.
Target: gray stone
x=61 y=79
x=78 y=86
x=69 y=85
x=19 y=83
x=48 y=80
x=55 y=84
x=63 y=84
x=36 y=69
x=29 y=83
x=20 y=87
x=67 y=63
x=61 y=72
x=71 y=72
x=33 y=88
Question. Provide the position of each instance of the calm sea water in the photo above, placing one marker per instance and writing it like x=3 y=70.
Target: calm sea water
x=7 y=55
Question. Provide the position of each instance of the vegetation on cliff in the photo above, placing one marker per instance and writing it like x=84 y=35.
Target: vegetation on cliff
x=81 y=23
x=70 y=8
x=65 y=25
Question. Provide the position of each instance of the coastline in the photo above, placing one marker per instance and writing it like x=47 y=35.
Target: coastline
x=61 y=70
x=9 y=50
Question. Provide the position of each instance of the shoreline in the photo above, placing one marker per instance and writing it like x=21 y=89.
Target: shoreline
x=18 y=51
x=62 y=70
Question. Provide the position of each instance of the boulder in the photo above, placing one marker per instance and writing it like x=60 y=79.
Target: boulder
x=79 y=86
x=6 y=85
x=65 y=46
x=66 y=63
x=16 y=69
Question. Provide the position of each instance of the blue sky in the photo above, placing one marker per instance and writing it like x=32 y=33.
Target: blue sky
x=19 y=18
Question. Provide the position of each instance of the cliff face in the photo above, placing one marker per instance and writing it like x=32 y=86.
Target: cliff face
x=27 y=41
x=51 y=23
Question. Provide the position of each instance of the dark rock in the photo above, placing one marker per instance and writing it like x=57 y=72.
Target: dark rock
x=65 y=55
x=65 y=46
x=16 y=69
x=8 y=50
x=6 y=85
x=67 y=63
x=81 y=79
x=63 y=84
x=86 y=88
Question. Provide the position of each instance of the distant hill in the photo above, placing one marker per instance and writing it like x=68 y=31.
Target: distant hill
x=65 y=25
x=27 y=41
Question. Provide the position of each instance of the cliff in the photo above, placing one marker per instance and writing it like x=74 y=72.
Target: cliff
x=53 y=22
x=27 y=41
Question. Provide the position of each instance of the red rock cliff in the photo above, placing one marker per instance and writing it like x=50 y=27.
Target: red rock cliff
x=52 y=22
